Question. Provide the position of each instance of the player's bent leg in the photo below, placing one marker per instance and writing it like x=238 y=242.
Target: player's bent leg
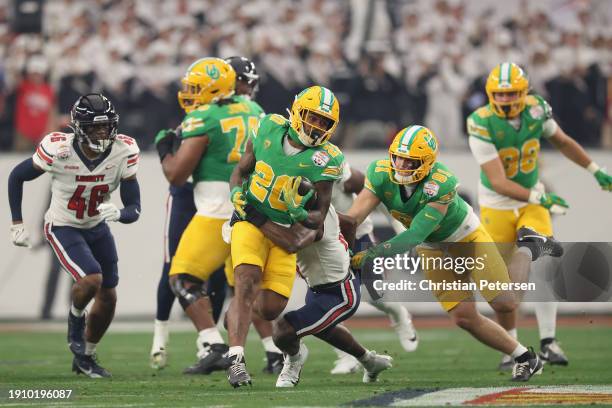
x=401 y=321
x=274 y=356
x=269 y=304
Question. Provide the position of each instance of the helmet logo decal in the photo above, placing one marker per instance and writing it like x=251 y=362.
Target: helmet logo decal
x=327 y=100
x=431 y=142
x=212 y=71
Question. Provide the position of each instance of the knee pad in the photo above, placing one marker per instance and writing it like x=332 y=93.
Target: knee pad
x=188 y=289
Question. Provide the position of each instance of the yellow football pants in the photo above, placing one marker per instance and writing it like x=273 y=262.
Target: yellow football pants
x=250 y=246
x=201 y=250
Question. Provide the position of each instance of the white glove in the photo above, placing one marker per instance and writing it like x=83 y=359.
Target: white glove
x=20 y=236
x=109 y=212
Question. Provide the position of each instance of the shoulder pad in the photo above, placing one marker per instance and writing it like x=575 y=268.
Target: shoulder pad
x=484 y=112
x=474 y=128
x=441 y=185
x=128 y=143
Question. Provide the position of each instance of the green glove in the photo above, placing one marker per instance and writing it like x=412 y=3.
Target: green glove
x=554 y=203
x=604 y=179
x=294 y=201
x=164 y=141
x=238 y=200
x=360 y=258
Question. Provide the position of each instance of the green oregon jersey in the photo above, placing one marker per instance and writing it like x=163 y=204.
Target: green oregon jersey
x=518 y=149
x=273 y=168
x=227 y=126
x=439 y=186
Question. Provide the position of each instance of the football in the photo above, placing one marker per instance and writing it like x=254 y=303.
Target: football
x=303 y=189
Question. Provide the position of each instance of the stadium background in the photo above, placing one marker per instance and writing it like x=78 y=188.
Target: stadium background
x=391 y=63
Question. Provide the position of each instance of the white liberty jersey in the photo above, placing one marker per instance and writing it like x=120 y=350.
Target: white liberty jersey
x=326 y=260
x=79 y=185
x=343 y=201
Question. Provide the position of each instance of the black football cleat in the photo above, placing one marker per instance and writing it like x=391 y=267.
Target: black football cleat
x=551 y=353
x=88 y=365
x=76 y=334
x=274 y=363
x=215 y=360
x=540 y=245
x=237 y=374
x=523 y=371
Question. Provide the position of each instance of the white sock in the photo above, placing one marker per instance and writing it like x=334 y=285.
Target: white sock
x=236 y=351
x=366 y=356
x=394 y=310
x=546 y=313
x=269 y=345
x=296 y=357
x=76 y=312
x=90 y=348
x=519 y=351
x=205 y=338
x=160 y=334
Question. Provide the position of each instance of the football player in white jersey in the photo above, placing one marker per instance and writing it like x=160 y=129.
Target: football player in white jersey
x=85 y=167
x=344 y=192
x=333 y=295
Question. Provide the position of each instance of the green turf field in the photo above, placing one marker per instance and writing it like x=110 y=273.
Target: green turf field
x=445 y=358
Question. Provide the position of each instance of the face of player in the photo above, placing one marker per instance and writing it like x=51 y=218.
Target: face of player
x=98 y=132
x=505 y=97
x=316 y=125
x=405 y=163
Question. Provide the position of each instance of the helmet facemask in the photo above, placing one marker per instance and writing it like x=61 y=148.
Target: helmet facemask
x=510 y=108
x=99 y=134
x=408 y=170
x=315 y=128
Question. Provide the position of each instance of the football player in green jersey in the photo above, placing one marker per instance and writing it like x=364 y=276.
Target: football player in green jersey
x=421 y=193
x=282 y=150
x=504 y=137
x=214 y=134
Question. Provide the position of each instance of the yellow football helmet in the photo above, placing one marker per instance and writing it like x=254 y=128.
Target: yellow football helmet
x=207 y=80
x=504 y=78
x=314 y=115
x=412 y=154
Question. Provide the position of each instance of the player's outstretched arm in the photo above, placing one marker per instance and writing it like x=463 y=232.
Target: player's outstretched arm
x=290 y=239
x=25 y=171
x=422 y=225
x=576 y=153
x=363 y=205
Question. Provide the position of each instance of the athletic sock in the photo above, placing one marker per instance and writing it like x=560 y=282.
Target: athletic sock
x=160 y=334
x=235 y=351
x=269 y=345
x=90 y=348
x=546 y=314
x=76 y=312
x=520 y=354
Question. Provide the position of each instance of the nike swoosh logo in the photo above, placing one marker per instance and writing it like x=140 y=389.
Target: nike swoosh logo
x=304 y=165
x=430 y=217
x=535 y=236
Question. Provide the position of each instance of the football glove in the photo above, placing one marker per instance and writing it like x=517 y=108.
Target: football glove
x=361 y=257
x=238 y=200
x=294 y=201
x=109 y=212
x=604 y=179
x=164 y=142
x=550 y=201
x=20 y=236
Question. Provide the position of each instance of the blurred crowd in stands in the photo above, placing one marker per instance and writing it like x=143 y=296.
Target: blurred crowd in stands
x=391 y=62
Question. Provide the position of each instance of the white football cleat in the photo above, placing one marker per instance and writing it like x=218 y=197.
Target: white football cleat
x=345 y=364
x=292 y=368
x=159 y=358
x=405 y=330
x=374 y=365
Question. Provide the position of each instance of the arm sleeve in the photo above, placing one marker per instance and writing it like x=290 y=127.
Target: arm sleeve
x=421 y=227
x=130 y=197
x=24 y=171
x=549 y=128
x=482 y=151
